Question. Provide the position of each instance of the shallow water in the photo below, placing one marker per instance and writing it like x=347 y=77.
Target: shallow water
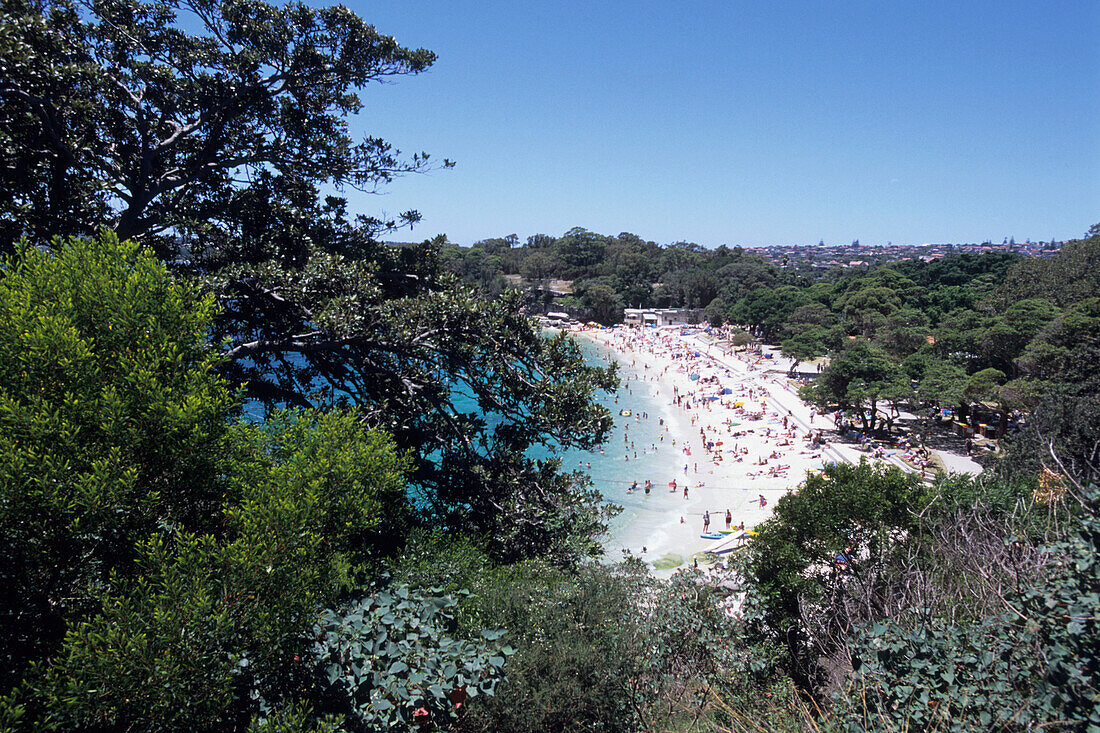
x=635 y=452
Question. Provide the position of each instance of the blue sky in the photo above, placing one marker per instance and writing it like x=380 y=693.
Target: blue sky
x=746 y=123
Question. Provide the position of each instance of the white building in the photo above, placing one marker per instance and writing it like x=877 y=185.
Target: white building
x=661 y=316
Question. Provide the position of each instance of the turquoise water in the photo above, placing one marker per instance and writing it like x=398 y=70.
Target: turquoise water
x=635 y=451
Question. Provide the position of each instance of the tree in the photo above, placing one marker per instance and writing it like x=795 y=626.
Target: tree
x=856 y=511
x=600 y=296
x=1069 y=277
x=717 y=312
x=868 y=308
x=164 y=563
x=111 y=420
x=538 y=266
x=766 y=309
x=580 y=249
x=217 y=130
x=904 y=332
x=1030 y=661
x=187 y=114
x=589 y=657
x=859 y=376
x=1061 y=384
x=983 y=385
x=942 y=383
x=1008 y=335
x=808 y=344
x=743 y=274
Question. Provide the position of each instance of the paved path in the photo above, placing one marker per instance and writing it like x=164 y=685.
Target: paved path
x=954 y=463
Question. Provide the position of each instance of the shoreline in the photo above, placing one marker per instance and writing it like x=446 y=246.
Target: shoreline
x=734 y=449
x=741 y=436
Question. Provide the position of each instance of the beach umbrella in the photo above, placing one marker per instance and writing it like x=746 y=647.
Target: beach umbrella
x=727 y=390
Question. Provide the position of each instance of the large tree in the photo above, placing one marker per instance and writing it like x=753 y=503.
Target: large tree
x=859 y=376
x=116 y=106
x=123 y=474
x=208 y=129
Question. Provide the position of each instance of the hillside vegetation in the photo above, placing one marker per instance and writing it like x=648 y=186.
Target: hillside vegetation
x=261 y=471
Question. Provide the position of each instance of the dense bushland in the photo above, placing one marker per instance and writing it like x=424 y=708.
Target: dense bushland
x=372 y=553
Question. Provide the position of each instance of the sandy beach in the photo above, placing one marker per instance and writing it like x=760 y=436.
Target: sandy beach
x=733 y=438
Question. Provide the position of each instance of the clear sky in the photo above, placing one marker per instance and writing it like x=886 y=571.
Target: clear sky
x=747 y=123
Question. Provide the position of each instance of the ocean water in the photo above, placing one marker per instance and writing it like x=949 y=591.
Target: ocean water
x=639 y=449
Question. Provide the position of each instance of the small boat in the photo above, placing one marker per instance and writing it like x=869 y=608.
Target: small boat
x=624 y=413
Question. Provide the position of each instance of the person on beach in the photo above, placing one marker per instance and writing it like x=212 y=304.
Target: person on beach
x=706 y=521
x=763 y=501
x=729 y=518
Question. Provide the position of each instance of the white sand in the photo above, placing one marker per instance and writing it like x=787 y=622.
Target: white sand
x=737 y=448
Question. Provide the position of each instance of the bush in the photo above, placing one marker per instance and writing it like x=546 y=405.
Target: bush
x=388 y=661
x=162 y=563
x=604 y=648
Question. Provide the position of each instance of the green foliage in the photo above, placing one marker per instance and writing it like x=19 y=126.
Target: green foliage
x=808 y=344
x=859 y=375
x=436 y=558
x=767 y=309
x=1066 y=608
x=717 y=312
x=111 y=424
x=790 y=565
x=1061 y=383
x=568 y=671
x=164 y=653
x=984 y=385
x=941 y=383
x=1008 y=336
x=600 y=297
x=868 y=307
x=604 y=648
x=238 y=88
x=959 y=678
x=388 y=662
x=1034 y=664
x=1069 y=277
x=164 y=561
x=313 y=505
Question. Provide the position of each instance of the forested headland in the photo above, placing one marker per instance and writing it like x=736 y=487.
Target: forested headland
x=372 y=554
